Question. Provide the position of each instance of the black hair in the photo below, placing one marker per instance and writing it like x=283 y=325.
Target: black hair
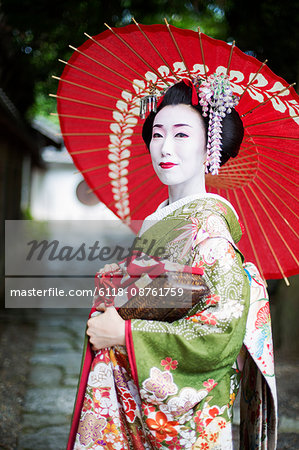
x=232 y=126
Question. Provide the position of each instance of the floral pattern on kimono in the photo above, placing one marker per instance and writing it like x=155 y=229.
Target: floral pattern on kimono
x=111 y=412
x=258 y=428
x=176 y=387
x=195 y=398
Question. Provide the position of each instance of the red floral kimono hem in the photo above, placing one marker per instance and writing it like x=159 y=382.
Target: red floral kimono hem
x=87 y=359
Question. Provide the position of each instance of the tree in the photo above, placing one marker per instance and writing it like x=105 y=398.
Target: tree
x=269 y=28
x=35 y=36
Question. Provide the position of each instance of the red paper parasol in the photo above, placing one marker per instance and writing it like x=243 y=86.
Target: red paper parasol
x=98 y=105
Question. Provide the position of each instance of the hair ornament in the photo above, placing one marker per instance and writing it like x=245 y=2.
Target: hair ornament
x=148 y=103
x=216 y=98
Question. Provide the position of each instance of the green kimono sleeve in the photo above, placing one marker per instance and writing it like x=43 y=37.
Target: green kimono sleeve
x=205 y=344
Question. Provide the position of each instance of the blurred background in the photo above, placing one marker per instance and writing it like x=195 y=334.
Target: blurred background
x=40 y=349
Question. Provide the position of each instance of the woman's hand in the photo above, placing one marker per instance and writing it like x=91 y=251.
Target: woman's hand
x=106 y=329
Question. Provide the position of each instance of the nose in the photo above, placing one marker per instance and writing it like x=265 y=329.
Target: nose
x=167 y=147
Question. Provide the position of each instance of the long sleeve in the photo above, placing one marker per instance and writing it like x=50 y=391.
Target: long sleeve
x=206 y=344
x=210 y=340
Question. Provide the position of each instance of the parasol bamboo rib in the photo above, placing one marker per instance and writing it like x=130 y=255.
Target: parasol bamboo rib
x=89 y=89
x=228 y=196
x=152 y=45
x=223 y=182
x=90 y=169
x=108 y=163
x=250 y=146
x=268 y=99
x=247 y=146
x=93 y=75
x=230 y=58
x=97 y=119
x=134 y=189
x=270 y=121
x=233 y=182
x=247 y=228
x=104 y=65
x=115 y=56
x=234 y=170
x=82 y=152
x=252 y=154
x=276 y=209
x=146 y=199
x=237 y=179
x=290 y=168
x=202 y=52
x=136 y=54
x=278 y=150
x=139 y=185
x=243 y=160
x=252 y=80
x=70 y=116
x=250 y=165
x=247 y=161
x=75 y=100
x=84 y=133
x=278 y=197
x=272 y=148
x=267 y=240
x=236 y=176
x=116 y=179
x=102 y=149
x=281 y=186
x=244 y=178
x=269 y=136
x=177 y=47
x=280 y=174
x=132 y=157
x=247 y=139
x=108 y=183
x=274 y=226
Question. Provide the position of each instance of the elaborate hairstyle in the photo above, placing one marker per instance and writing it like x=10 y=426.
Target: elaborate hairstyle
x=232 y=126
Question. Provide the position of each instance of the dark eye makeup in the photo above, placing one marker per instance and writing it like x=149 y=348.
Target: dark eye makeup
x=181 y=135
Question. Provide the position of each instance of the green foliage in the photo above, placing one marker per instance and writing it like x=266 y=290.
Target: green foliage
x=26 y=214
x=269 y=28
x=33 y=37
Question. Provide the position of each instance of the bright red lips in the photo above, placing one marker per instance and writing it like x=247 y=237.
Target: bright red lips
x=167 y=165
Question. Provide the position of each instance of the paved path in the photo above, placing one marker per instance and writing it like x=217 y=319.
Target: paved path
x=53 y=378
x=37 y=399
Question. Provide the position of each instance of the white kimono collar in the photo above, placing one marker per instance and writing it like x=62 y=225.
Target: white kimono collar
x=164 y=208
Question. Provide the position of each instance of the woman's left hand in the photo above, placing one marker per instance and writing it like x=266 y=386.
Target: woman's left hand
x=106 y=329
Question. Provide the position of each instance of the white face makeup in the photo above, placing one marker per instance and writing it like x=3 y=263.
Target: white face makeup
x=178 y=147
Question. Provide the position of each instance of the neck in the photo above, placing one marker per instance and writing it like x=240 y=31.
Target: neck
x=178 y=191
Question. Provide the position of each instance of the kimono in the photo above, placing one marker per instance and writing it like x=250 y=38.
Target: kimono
x=174 y=384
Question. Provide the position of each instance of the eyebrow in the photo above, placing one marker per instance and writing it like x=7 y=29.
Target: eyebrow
x=177 y=125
